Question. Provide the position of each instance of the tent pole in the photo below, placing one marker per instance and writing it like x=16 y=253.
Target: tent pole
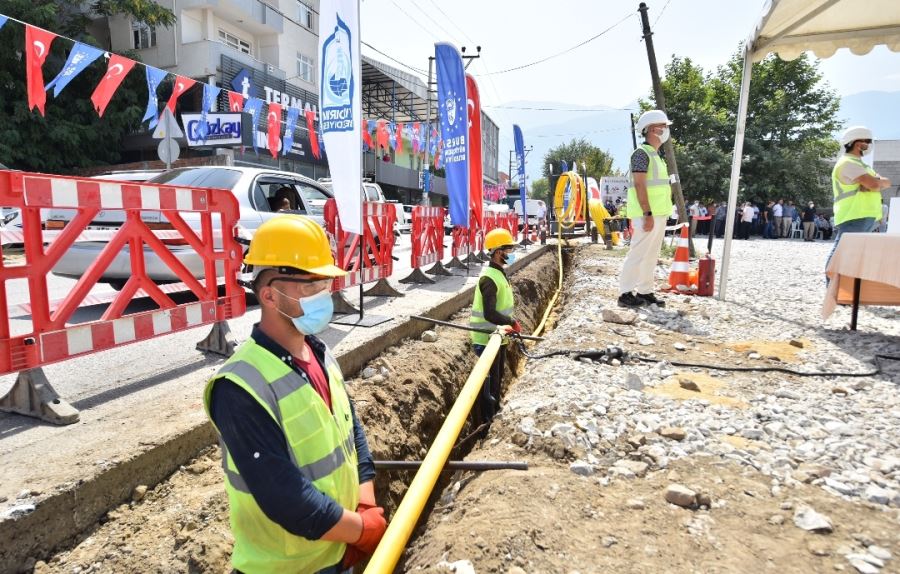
x=735 y=171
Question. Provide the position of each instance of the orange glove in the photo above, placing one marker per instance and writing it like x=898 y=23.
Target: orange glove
x=374 y=526
x=517 y=327
x=352 y=557
x=363 y=506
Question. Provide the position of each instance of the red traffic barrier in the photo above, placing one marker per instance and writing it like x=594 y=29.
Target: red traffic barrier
x=459 y=247
x=427 y=237
x=490 y=221
x=377 y=261
x=51 y=338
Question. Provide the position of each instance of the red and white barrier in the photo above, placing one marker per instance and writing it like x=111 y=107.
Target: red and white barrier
x=377 y=261
x=51 y=338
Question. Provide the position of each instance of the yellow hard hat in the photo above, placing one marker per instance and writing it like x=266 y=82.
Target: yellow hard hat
x=294 y=241
x=498 y=238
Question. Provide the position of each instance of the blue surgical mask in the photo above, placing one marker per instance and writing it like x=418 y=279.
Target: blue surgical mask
x=510 y=258
x=317 y=313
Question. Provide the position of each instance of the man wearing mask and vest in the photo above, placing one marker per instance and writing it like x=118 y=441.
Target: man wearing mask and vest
x=649 y=204
x=493 y=308
x=298 y=471
x=857 y=188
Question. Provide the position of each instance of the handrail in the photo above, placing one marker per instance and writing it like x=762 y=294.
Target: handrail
x=386 y=556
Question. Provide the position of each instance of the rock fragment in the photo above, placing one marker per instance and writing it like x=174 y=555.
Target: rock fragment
x=808 y=519
x=429 y=336
x=680 y=496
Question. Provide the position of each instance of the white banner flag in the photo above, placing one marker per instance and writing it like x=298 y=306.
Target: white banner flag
x=340 y=108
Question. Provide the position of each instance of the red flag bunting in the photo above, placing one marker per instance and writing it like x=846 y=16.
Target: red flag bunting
x=366 y=136
x=437 y=155
x=475 y=166
x=381 y=134
x=415 y=138
x=37 y=48
x=118 y=68
x=235 y=101
x=182 y=85
x=273 y=125
x=399 y=138
x=313 y=137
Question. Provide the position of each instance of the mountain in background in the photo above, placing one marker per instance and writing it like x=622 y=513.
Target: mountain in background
x=546 y=125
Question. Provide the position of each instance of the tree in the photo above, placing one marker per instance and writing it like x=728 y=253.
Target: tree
x=71 y=136
x=788 y=143
x=539 y=189
x=597 y=161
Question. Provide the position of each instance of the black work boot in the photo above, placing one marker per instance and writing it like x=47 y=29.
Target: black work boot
x=650 y=299
x=629 y=300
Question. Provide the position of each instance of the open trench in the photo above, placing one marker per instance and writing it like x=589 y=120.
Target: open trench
x=181 y=523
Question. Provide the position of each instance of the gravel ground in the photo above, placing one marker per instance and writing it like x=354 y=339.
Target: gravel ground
x=817 y=454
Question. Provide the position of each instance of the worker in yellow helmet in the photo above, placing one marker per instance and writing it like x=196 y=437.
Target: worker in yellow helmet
x=298 y=471
x=493 y=308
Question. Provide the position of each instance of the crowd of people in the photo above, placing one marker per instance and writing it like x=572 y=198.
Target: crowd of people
x=770 y=220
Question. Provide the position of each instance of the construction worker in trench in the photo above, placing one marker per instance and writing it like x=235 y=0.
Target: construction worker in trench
x=492 y=309
x=298 y=471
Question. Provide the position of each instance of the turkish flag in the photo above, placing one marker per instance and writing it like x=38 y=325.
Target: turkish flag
x=235 y=102
x=415 y=138
x=182 y=85
x=313 y=136
x=399 y=138
x=475 y=166
x=437 y=155
x=37 y=48
x=366 y=136
x=381 y=134
x=273 y=127
x=116 y=71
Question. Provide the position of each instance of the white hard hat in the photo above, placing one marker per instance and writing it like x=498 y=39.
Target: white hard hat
x=651 y=117
x=854 y=133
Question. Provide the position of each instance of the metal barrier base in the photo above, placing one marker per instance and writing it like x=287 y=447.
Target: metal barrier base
x=383 y=289
x=32 y=395
x=455 y=263
x=438 y=269
x=220 y=341
x=365 y=321
x=418 y=278
x=473 y=259
x=341 y=305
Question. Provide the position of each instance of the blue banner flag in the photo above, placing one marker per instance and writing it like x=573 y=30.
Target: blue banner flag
x=452 y=102
x=253 y=106
x=564 y=167
x=154 y=79
x=520 y=162
x=79 y=58
x=290 y=123
x=392 y=134
x=3 y=20
x=210 y=93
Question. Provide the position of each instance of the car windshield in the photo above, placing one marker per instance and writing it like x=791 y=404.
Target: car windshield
x=200 y=177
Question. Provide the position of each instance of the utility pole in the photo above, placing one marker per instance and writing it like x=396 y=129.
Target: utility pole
x=668 y=148
x=633 y=135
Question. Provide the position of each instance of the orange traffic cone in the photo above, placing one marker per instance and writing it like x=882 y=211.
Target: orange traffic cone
x=679 y=279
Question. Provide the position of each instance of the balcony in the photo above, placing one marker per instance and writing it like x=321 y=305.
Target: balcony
x=203 y=58
x=253 y=16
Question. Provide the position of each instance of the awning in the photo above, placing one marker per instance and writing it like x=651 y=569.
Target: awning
x=791 y=27
x=392 y=94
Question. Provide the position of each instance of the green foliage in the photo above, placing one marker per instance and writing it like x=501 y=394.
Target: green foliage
x=787 y=145
x=597 y=161
x=539 y=189
x=71 y=136
x=147 y=11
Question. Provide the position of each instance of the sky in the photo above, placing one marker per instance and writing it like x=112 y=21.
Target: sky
x=611 y=70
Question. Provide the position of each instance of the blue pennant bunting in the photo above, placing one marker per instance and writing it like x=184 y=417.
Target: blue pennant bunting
x=210 y=93
x=3 y=20
x=291 y=123
x=80 y=58
x=392 y=134
x=154 y=78
x=564 y=166
x=253 y=106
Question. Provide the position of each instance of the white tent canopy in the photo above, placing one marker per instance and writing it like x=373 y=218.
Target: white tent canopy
x=791 y=27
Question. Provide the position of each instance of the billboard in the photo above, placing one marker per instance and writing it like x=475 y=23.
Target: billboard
x=613 y=188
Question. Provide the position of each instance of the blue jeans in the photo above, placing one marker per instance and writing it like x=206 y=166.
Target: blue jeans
x=864 y=225
x=768 y=230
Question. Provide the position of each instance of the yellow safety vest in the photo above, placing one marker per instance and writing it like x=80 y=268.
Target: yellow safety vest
x=505 y=305
x=850 y=201
x=321 y=444
x=659 y=190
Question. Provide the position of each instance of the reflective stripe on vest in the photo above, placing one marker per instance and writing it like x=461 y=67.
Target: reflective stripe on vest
x=505 y=305
x=659 y=190
x=321 y=443
x=850 y=201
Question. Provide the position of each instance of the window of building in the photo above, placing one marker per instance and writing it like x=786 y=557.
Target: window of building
x=305 y=68
x=231 y=40
x=304 y=14
x=144 y=35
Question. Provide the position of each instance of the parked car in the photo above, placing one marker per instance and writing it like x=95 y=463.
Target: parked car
x=533 y=207
x=259 y=192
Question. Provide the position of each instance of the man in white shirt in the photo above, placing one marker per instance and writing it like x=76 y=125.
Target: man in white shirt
x=778 y=210
x=746 y=221
x=694 y=212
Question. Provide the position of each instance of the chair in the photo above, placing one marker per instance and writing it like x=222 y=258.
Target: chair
x=796 y=230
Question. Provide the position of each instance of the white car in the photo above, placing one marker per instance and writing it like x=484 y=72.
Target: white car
x=261 y=193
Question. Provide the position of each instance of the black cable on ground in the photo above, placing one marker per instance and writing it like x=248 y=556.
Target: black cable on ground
x=612 y=352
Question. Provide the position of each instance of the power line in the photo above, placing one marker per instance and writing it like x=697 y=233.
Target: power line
x=393 y=59
x=583 y=133
x=449 y=19
x=435 y=22
x=575 y=47
x=666 y=5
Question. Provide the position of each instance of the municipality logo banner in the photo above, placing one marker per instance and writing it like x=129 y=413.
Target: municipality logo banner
x=340 y=108
x=452 y=106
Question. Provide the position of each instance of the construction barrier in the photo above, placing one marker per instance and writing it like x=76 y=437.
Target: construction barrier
x=377 y=248
x=459 y=247
x=427 y=238
x=512 y=224
x=50 y=338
